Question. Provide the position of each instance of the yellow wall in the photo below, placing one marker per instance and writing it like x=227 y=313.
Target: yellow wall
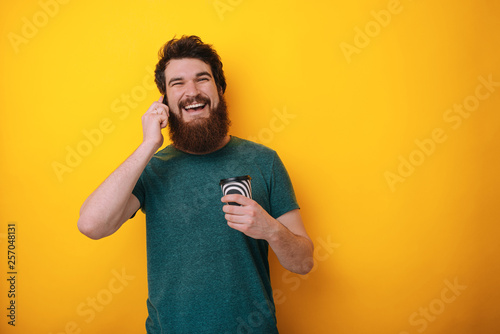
x=361 y=99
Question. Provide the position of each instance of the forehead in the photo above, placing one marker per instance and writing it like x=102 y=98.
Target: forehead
x=186 y=67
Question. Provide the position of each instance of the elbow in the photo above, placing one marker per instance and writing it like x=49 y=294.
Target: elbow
x=307 y=264
x=89 y=228
x=306 y=267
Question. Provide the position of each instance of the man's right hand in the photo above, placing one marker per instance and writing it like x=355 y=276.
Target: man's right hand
x=113 y=203
x=153 y=121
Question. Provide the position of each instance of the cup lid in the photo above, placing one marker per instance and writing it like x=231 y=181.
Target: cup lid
x=237 y=178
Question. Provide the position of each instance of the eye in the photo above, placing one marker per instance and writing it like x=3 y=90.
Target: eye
x=203 y=79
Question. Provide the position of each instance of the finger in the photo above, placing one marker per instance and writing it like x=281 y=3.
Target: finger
x=158 y=109
x=161 y=108
x=153 y=109
x=237 y=227
x=233 y=209
x=163 y=121
x=165 y=112
x=161 y=99
x=240 y=199
x=239 y=220
x=235 y=219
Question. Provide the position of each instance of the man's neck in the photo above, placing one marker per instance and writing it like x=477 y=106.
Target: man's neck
x=223 y=143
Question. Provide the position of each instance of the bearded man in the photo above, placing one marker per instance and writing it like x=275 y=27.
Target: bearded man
x=208 y=268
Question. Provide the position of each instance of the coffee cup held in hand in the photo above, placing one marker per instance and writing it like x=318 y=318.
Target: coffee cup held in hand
x=237 y=185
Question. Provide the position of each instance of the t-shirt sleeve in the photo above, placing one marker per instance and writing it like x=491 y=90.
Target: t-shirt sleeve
x=139 y=192
x=282 y=195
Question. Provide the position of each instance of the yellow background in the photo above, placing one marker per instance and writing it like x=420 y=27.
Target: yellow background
x=386 y=253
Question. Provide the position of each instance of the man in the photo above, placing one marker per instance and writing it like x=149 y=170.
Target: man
x=207 y=262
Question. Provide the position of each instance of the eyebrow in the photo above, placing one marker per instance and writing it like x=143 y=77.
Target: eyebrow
x=200 y=74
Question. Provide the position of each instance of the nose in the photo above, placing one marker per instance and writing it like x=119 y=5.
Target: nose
x=191 y=88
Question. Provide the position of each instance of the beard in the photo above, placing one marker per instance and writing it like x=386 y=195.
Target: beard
x=201 y=135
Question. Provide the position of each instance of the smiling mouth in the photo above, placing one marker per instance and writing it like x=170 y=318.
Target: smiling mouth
x=195 y=107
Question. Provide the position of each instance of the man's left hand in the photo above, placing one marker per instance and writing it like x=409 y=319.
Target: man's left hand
x=249 y=218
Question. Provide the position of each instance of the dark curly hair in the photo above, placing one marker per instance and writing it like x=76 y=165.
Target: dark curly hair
x=188 y=47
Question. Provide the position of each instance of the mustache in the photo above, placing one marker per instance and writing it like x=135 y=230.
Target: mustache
x=195 y=99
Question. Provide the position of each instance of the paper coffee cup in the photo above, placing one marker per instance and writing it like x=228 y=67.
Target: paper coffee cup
x=237 y=185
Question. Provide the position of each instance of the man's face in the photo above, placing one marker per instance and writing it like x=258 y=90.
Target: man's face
x=191 y=89
x=198 y=121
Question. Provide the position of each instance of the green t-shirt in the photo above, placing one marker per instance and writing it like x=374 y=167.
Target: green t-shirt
x=203 y=276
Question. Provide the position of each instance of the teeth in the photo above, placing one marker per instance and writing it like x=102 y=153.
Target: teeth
x=192 y=106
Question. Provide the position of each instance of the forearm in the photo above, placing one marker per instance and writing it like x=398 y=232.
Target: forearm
x=101 y=214
x=294 y=252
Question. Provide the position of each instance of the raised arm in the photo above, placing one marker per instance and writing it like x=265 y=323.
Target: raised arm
x=112 y=203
